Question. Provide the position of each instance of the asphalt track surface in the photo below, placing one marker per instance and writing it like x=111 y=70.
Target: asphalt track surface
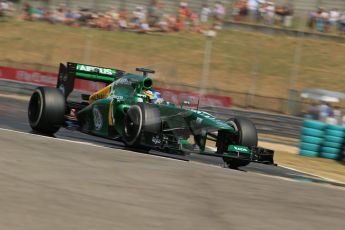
x=59 y=183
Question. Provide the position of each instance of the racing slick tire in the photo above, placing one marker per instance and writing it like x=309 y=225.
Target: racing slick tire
x=140 y=118
x=46 y=110
x=247 y=136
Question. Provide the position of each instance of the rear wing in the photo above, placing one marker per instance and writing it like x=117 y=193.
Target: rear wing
x=68 y=74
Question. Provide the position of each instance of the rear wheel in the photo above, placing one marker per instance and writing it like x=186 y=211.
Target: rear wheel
x=46 y=110
x=247 y=136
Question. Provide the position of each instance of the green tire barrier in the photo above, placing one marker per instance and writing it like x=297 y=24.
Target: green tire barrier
x=335 y=127
x=332 y=144
x=308 y=153
x=312 y=132
x=321 y=139
x=311 y=140
x=314 y=124
x=335 y=133
x=330 y=156
x=330 y=150
x=334 y=139
x=309 y=147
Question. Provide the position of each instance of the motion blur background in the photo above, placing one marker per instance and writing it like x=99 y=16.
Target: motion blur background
x=264 y=53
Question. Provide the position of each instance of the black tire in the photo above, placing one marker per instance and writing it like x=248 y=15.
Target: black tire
x=247 y=136
x=140 y=118
x=46 y=110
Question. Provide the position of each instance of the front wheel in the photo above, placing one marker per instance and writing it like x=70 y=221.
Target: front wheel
x=247 y=136
x=140 y=118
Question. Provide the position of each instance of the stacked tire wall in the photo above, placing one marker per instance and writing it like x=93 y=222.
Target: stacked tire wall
x=311 y=138
x=321 y=140
x=333 y=142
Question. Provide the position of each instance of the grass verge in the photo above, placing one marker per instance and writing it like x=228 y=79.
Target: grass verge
x=240 y=61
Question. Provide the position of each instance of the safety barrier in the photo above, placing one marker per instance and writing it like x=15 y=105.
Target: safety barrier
x=319 y=139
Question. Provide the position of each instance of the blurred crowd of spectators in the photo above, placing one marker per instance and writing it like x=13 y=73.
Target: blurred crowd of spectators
x=326 y=21
x=6 y=8
x=327 y=113
x=263 y=11
x=154 y=16
x=151 y=18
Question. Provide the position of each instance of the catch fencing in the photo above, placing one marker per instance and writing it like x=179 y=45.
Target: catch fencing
x=245 y=100
x=266 y=123
x=302 y=7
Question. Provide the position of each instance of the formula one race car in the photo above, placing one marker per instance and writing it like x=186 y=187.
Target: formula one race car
x=129 y=110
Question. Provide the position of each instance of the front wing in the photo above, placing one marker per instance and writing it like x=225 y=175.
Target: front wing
x=254 y=154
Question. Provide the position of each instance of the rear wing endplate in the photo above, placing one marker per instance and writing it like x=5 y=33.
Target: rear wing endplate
x=67 y=75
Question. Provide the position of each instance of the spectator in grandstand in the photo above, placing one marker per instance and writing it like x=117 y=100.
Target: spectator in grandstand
x=262 y=11
x=70 y=17
x=85 y=17
x=6 y=8
x=311 y=20
x=195 y=23
x=113 y=14
x=204 y=14
x=337 y=114
x=280 y=11
x=138 y=17
x=334 y=16
x=219 y=14
x=183 y=14
x=104 y=21
x=325 y=111
x=269 y=18
x=289 y=11
x=240 y=10
x=122 y=22
x=331 y=120
x=154 y=13
x=253 y=6
x=171 y=23
x=342 y=24
x=58 y=15
x=313 y=112
x=320 y=19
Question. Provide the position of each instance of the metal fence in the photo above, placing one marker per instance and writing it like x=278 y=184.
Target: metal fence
x=266 y=123
x=293 y=105
x=302 y=7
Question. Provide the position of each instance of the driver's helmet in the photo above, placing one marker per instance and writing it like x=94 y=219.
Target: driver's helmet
x=153 y=95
